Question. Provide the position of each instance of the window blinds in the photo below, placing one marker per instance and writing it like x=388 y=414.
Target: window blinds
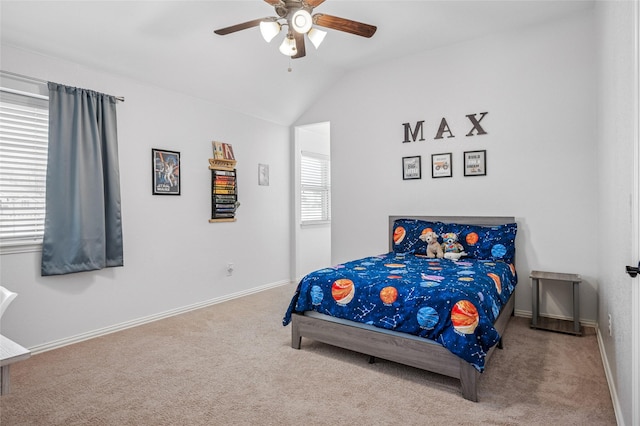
x=24 y=121
x=315 y=184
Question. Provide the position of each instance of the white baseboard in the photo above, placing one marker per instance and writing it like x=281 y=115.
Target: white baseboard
x=151 y=318
x=529 y=314
x=610 y=381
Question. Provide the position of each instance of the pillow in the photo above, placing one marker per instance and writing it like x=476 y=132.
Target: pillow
x=406 y=236
x=495 y=243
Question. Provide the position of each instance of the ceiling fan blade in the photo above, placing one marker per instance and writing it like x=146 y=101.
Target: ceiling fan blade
x=314 y=3
x=238 y=27
x=274 y=2
x=300 y=49
x=346 y=25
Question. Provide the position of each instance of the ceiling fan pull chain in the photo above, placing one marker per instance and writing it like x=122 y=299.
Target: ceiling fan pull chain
x=289 y=69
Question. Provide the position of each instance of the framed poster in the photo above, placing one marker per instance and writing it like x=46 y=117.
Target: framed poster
x=475 y=163
x=441 y=165
x=411 y=168
x=263 y=174
x=165 y=169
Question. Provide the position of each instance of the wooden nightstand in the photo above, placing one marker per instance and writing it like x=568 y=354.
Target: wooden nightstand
x=562 y=326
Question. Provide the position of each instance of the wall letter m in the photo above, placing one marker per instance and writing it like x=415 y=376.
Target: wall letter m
x=414 y=134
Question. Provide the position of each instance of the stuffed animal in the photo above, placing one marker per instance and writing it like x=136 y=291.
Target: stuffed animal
x=451 y=247
x=434 y=249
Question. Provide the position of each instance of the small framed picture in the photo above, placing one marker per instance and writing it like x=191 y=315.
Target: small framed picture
x=165 y=169
x=263 y=174
x=475 y=163
x=411 y=168
x=441 y=165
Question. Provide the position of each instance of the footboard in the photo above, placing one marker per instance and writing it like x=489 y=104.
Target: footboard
x=423 y=354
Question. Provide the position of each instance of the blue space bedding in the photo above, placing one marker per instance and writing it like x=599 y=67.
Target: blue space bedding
x=453 y=302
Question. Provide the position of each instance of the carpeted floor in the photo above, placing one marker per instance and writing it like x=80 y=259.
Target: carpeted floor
x=232 y=364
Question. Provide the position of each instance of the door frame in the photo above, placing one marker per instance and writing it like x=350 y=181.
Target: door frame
x=298 y=135
x=635 y=284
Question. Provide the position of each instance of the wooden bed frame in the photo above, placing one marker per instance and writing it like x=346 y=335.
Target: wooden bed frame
x=424 y=354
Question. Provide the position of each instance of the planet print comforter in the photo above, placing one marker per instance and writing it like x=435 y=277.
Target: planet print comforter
x=454 y=303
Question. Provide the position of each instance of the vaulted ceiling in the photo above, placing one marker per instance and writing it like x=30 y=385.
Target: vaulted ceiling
x=171 y=44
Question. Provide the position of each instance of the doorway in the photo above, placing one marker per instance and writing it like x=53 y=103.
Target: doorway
x=312 y=241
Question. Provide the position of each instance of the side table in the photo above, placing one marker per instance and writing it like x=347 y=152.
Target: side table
x=562 y=326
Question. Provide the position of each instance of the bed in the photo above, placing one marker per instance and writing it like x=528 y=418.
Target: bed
x=443 y=315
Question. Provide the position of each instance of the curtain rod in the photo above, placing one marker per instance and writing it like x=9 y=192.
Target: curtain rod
x=40 y=81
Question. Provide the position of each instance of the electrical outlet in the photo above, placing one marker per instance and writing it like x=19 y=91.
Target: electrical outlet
x=229 y=269
x=610 y=326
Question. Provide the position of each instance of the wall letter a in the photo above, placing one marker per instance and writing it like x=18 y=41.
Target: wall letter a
x=413 y=134
x=444 y=127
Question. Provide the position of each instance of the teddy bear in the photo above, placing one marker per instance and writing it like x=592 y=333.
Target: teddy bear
x=434 y=249
x=451 y=247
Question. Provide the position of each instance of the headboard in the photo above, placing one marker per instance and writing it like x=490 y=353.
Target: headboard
x=470 y=220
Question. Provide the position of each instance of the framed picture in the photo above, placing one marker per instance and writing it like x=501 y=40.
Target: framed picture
x=475 y=163
x=263 y=174
x=411 y=168
x=441 y=165
x=165 y=169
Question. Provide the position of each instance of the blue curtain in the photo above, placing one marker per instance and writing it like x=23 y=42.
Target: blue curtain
x=83 y=223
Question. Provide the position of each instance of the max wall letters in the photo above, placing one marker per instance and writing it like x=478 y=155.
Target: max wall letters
x=411 y=135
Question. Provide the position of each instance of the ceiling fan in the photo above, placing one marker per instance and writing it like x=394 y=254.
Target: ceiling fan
x=296 y=15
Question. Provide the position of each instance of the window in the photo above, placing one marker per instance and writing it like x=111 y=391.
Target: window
x=315 y=185
x=24 y=122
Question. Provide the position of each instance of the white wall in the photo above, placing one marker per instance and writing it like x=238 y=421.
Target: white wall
x=313 y=242
x=538 y=86
x=615 y=157
x=173 y=256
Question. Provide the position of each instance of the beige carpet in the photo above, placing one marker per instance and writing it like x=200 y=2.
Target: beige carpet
x=232 y=364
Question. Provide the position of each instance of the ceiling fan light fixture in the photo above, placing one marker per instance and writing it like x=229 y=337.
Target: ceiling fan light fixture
x=301 y=21
x=269 y=29
x=316 y=36
x=288 y=46
x=296 y=16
